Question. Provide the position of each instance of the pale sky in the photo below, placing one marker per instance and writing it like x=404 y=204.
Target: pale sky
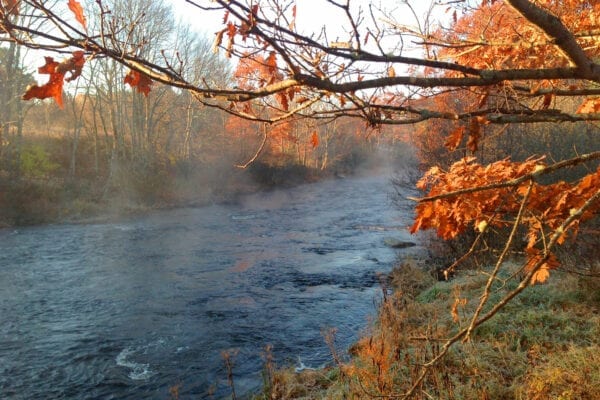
x=311 y=15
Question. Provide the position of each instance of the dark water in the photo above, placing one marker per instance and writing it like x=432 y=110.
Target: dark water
x=127 y=310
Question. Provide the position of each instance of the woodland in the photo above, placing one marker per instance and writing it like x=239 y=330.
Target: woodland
x=101 y=150
x=498 y=100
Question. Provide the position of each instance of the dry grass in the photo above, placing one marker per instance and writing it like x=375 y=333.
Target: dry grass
x=543 y=345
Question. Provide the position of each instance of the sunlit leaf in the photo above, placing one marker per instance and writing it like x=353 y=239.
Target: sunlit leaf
x=141 y=82
x=454 y=139
x=314 y=139
x=77 y=10
x=589 y=106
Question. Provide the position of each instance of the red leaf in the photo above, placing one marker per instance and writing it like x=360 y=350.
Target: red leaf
x=283 y=100
x=314 y=139
x=231 y=29
x=52 y=88
x=74 y=65
x=76 y=8
x=548 y=97
x=49 y=67
x=139 y=81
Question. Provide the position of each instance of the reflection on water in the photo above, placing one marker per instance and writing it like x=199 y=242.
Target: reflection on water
x=126 y=310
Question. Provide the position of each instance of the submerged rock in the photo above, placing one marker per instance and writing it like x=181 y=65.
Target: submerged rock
x=397 y=243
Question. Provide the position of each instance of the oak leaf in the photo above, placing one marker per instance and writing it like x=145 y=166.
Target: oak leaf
x=141 y=82
x=57 y=71
x=475 y=129
x=74 y=65
x=77 y=10
x=540 y=276
x=314 y=139
x=454 y=139
x=271 y=63
x=543 y=272
x=548 y=97
x=51 y=89
x=589 y=106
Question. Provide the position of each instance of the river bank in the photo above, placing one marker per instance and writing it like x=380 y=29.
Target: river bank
x=28 y=202
x=544 y=344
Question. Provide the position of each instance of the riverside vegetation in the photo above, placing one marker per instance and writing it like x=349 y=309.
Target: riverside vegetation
x=544 y=345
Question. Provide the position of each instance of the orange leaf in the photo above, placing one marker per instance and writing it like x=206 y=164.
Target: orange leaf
x=589 y=106
x=543 y=272
x=52 y=88
x=454 y=139
x=74 y=65
x=231 y=29
x=218 y=40
x=475 y=132
x=12 y=6
x=283 y=100
x=540 y=276
x=314 y=139
x=271 y=63
x=139 y=81
x=76 y=8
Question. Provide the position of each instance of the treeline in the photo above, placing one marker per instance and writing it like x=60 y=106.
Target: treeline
x=111 y=149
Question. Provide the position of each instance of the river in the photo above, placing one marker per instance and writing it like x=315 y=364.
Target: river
x=127 y=310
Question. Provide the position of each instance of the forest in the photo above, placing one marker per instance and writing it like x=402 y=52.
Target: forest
x=490 y=108
x=103 y=149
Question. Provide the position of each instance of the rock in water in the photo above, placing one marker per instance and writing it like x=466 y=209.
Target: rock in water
x=397 y=243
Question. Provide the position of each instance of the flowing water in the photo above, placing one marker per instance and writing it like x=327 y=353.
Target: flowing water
x=127 y=310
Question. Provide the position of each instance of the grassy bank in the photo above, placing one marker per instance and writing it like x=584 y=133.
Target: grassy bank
x=545 y=344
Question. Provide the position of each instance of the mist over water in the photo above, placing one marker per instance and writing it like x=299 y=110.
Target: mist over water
x=129 y=309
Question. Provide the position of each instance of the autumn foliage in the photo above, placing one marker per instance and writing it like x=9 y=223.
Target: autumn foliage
x=485 y=90
x=472 y=196
x=57 y=71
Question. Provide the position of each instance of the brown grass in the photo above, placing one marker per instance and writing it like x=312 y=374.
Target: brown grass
x=543 y=345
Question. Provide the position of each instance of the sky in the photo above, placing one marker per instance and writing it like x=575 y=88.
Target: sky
x=312 y=15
